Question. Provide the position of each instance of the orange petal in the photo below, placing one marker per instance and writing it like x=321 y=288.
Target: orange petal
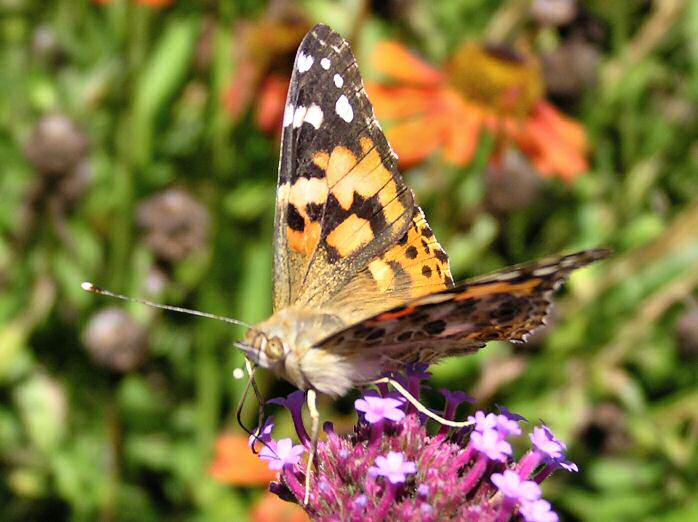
x=395 y=61
x=552 y=154
x=463 y=134
x=236 y=464
x=413 y=140
x=271 y=103
x=461 y=143
x=271 y=508
x=570 y=130
x=401 y=102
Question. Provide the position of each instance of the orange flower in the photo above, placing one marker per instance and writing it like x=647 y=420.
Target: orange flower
x=265 y=50
x=236 y=464
x=271 y=508
x=482 y=88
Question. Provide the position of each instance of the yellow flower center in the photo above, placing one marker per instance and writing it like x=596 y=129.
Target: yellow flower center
x=498 y=77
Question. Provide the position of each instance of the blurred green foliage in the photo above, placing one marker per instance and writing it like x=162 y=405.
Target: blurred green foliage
x=616 y=377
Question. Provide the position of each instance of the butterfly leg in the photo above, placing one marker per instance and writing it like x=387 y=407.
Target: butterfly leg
x=251 y=383
x=420 y=407
x=251 y=368
x=315 y=432
x=241 y=403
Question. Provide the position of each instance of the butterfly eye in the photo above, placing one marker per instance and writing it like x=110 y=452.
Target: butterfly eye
x=274 y=349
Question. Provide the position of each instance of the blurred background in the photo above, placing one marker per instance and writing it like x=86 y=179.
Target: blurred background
x=139 y=149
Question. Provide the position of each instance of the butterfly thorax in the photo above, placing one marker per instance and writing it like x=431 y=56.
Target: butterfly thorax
x=285 y=343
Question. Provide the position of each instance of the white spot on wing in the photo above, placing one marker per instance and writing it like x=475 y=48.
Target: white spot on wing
x=304 y=62
x=314 y=116
x=546 y=270
x=299 y=116
x=325 y=63
x=288 y=115
x=343 y=109
x=506 y=276
x=338 y=81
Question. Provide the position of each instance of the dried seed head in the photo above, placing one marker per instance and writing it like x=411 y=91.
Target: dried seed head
x=56 y=145
x=571 y=68
x=175 y=224
x=116 y=341
x=511 y=182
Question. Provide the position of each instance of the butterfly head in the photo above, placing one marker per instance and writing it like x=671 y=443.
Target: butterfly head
x=264 y=349
x=285 y=344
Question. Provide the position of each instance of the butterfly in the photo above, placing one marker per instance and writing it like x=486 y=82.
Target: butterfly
x=361 y=285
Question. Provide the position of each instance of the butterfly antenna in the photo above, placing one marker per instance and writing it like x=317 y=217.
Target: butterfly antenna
x=89 y=287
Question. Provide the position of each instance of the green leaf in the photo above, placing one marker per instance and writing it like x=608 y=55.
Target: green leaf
x=163 y=75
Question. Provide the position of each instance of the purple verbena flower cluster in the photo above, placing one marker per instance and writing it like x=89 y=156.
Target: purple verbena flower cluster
x=392 y=468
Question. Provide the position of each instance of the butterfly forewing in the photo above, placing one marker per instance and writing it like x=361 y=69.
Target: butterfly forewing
x=340 y=199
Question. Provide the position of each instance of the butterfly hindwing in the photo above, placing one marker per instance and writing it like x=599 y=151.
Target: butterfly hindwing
x=506 y=305
x=340 y=199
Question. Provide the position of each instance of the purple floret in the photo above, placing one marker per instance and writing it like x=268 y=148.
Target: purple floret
x=376 y=409
x=281 y=453
x=393 y=466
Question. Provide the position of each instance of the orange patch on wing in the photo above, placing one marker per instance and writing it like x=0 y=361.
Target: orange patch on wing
x=366 y=144
x=375 y=178
x=366 y=176
x=304 y=241
x=497 y=288
x=321 y=159
x=392 y=206
x=301 y=193
x=389 y=316
x=350 y=235
x=412 y=256
x=339 y=164
x=346 y=174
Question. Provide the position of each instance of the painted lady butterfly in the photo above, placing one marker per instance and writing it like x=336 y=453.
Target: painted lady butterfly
x=361 y=285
